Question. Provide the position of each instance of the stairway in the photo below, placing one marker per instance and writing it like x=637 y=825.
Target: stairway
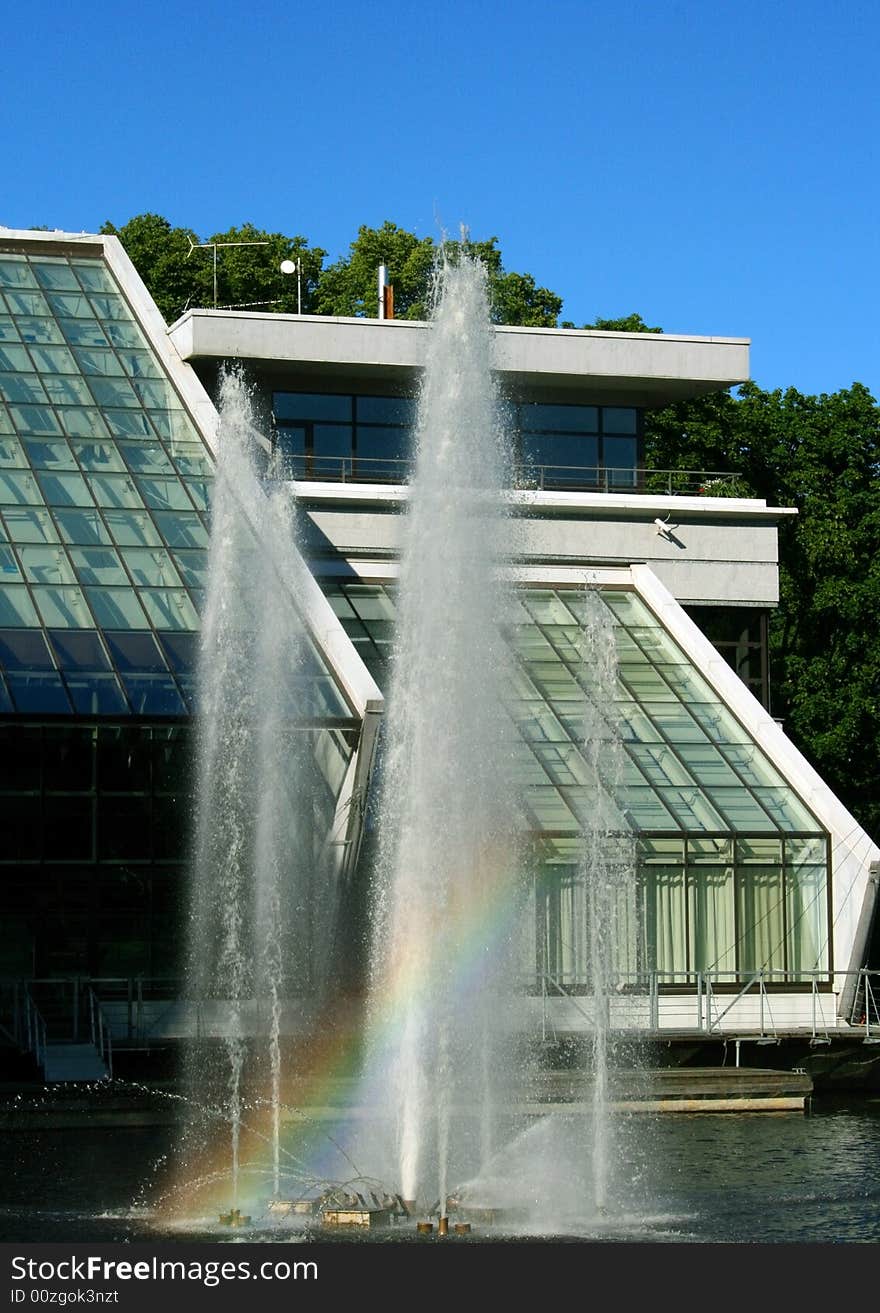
x=73 y=1062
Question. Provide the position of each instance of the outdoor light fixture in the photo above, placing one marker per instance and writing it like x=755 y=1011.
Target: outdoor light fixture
x=294 y=267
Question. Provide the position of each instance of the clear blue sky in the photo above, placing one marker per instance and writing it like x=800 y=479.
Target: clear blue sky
x=710 y=164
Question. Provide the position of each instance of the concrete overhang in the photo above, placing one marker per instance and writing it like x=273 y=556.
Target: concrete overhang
x=646 y=369
x=583 y=505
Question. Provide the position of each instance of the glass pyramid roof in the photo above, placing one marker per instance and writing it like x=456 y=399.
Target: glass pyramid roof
x=104 y=501
x=690 y=766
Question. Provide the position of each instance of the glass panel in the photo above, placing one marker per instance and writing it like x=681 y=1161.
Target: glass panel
x=29 y=525
x=20 y=650
x=41 y=693
x=38 y=330
x=8 y=331
x=109 y=306
x=173 y=425
x=18 y=488
x=9 y=570
x=129 y=424
x=65 y=489
x=619 y=419
x=151 y=567
x=193 y=460
x=96 y=695
x=22 y=388
x=14 y=359
x=70 y=305
x=193 y=567
x=79 y=650
x=113 y=392
x=570 y=419
x=135 y=653
x=15 y=272
x=49 y=453
x=169 y=608
x=12 y=454
x=84 y=527
x=26 y=303
x=760 y=916
x=154 y=695
x=46 y=565
x=124 y=334
x=36 y=420
x=84 y=422
x=51 y=360
x=63 y=607
x=132 y=529
x=93 y=276
x=63 y=391
x=114 y=490
x=147 y=457
x=156 y=394
x=311 y=406
x=83 y=332
x=117 y=608
x=182 y=529
x=386 y=410
x=98 y=565
x=101 y=457
x=55 y=277
x=164 y=494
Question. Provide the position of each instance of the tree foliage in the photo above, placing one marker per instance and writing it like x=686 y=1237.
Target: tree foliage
x=821 y=455
x=179 y=275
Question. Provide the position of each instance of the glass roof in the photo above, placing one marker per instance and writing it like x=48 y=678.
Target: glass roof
x=104 y=499
x=689 y=765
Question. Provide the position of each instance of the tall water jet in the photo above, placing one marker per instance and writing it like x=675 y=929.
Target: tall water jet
x=607 y=867
x=446 y=895
x=254 y=853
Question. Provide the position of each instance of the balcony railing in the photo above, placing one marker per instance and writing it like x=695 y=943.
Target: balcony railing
x=527 y=476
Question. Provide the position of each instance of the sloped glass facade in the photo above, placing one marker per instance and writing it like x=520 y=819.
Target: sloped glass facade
x=732 y=866
x=105 y=490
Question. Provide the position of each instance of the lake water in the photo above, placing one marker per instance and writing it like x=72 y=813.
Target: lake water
x=681 y=1178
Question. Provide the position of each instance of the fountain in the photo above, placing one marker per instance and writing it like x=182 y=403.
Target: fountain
x=433 y=1124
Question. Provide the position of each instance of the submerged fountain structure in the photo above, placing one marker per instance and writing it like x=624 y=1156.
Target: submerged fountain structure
x=437 y=1128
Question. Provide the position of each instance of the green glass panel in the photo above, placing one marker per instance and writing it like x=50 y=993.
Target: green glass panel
x=82 y=527
x=16 y=608
x=100 y=457
x=180 y=529
x=751 y=765
x=83 y=422
x=114 y=490
x=30 y=525
x=169 y=608
x=12 y=454
x=55 y=277
x=200 y=492
x=719 y=724
x=129 y=424
x=173 y=426
x=93 y=276
x=65 y=489
x=49 y=453
x=193 y=567
x=22 y=302
x=15 y=272
x=35 y=420
x=38 y=330
x=9 y=569
x=15 y=359
x=70 y=305
x=147 y=457
x=109 y=305
x=138 y=364
x=113 y=392
x=785 y=808
x=123 y=333
x=83 y=332
x=64 y=391
x=23 y=389
x=63 y=608
x=53 y=360
x=46 y=565
x=98 y=565
x=99 y=364
x=193 y=460
x=117 y=608
x=18 y=488
x=151 y=568
x=8 y=330
x=132 y=529
x=156 y=394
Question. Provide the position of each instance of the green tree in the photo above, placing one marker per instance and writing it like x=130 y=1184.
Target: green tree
x=349 y=287
x=627 y=324
x=820 y=454
x=179 y=276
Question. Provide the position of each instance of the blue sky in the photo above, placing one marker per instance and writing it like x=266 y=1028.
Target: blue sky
x=711 y=165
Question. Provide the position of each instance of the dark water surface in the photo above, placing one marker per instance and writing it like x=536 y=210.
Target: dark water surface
x=734 y=1177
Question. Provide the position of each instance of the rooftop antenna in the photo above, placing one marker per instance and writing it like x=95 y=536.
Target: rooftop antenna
x=213 y=246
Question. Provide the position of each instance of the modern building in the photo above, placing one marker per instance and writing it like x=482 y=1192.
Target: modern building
x=756 y=888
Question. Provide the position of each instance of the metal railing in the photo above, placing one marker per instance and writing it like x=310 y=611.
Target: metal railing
x=101 y=1036
x=528 y=476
